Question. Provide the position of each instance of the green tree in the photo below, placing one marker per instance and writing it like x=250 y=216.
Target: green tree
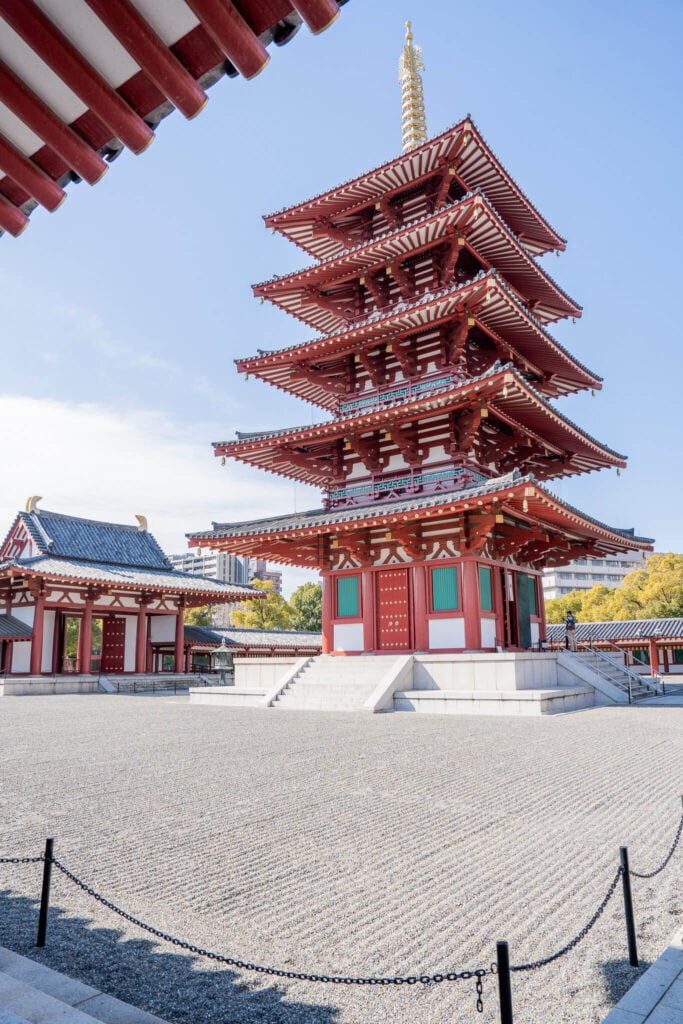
x=653 y=592
x=269 y=612
x=202 y=616
x=306 y=608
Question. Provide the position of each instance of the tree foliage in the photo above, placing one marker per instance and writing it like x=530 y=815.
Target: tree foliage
x=271 y=612
x=306 y=604
x=202 y=616
x=653 y=592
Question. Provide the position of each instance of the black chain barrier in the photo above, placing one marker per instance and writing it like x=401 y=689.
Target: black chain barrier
x=423 y=979
x=573 y=943
x=677 y=839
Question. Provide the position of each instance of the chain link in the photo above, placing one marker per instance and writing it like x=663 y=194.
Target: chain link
x=573 y=943
x=21 y=860
x=480 y=990
x=651 y=874
x=424 y=979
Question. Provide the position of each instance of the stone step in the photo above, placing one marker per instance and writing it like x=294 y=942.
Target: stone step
x=31 y=993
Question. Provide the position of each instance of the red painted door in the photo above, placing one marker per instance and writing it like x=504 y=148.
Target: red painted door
x=393 y=610
x=113 y=645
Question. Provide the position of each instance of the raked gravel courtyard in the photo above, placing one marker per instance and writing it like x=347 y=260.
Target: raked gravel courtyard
x=340 y=844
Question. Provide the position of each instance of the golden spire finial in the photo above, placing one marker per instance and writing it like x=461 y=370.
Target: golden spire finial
x=413 y=116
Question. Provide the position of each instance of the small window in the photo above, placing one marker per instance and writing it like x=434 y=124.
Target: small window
x=678 y=656
x=485 y=594
x=347 y=597
x=445 y=589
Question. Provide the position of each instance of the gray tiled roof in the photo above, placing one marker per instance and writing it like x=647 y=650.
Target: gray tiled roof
x=319 y=517
x=631 y=629
x=88 y=540
x=252 y=637
x=122 y=575
x=14 y=629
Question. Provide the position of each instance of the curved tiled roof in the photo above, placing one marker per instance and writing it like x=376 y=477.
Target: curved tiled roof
x=246 y=638
x=167 y=580
x=62 y=536
x=629 y=629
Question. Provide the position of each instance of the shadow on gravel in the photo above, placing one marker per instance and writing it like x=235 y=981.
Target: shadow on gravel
x=619 y=977
x=180 y=988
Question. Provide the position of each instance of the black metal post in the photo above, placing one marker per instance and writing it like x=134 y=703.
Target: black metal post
x=504 y=985
x=45 y=893
x=628 y=908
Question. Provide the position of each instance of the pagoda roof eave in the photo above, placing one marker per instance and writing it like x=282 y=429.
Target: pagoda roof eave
x=484 y=234
x=522 y=496
x=428 y=310
x=503 y=385
x=419 y=163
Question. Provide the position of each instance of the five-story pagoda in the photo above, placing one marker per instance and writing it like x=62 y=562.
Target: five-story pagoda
x=436 y=365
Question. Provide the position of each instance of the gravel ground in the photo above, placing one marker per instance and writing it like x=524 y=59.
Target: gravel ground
x=338 y=843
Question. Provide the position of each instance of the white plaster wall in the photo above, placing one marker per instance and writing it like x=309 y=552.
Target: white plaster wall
x=348 y=637
x=48 y=639
x=162 y=627
x=437 y=454
x=24 y=613
x=129 y=650
x=21 y=652
x=446 y=633
x=535 y=632
x=488 y=632
x=21 y=656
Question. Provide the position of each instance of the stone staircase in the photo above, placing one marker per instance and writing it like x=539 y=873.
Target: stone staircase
x=614 y=673
x=330 y=683
x=33 y=994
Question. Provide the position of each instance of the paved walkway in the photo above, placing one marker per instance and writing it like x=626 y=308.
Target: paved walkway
x=657 y=997
x=338 y=843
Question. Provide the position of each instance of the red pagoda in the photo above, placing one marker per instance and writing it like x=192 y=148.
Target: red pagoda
x=433 y=358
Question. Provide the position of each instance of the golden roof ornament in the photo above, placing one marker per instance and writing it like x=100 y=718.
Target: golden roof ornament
x=413 y=116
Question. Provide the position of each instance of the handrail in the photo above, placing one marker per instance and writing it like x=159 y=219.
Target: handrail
x=630 y=674
x=655 y=676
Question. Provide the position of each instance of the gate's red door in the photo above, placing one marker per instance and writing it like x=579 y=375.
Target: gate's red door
x=393 y=610
x=113 y=645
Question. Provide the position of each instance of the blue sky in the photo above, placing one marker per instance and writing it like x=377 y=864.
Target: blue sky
x=123 y=311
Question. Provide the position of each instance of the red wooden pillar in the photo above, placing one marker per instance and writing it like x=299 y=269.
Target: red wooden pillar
x=37 y=642
x=85 y=638
x=7 y=657
x=654 y=656
x=328 y=628
x=421 y=629
x=665 y=658
x=368 y=599
x=470 y=599
x=179 y=638
x=141 y=637
x=188 y=659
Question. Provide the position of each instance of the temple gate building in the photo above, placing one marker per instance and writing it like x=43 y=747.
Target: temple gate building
x=434 y=362
x=81 y=596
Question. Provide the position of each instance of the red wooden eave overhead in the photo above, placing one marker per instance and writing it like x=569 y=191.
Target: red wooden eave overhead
x=80 y=80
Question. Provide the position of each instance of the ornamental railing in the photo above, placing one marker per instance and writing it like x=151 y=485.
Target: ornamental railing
x=398 y=485
x=404 y=391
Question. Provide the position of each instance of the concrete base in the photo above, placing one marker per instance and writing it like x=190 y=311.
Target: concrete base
x=31 y=993
x=657 y=996
x=494 y=702
x=228 y=696
x=34 y=686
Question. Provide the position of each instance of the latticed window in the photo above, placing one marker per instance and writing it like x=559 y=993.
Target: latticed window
x=348 y=604
x=445 y=589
